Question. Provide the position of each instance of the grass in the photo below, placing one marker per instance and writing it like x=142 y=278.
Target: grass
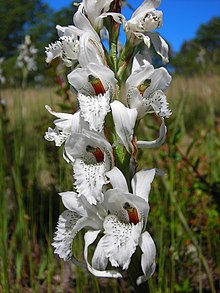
x=184 y=219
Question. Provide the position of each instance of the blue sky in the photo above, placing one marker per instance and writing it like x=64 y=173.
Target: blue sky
x=181 y=18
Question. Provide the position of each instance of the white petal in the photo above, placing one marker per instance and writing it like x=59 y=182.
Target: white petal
x=82 y=23
x=136 y=101
x=90 y=51
x=139 y=75
x=55 y=135
x=146 y=6
x=58 y=114
x=99 y=260
x=69 y=30
x=140 y=60
x=160 y=80
x=161 y=47
x=148 y=257
x=89 y=180
x=76 y=123
x=94 y=109
x=90 y=237
x=143 y=37
x=120 y=241
x=72 y=203
x=66 y=124
x=117 y=179
x=141 y=183
x=118 y=17
x=157 y=142
x=93 y=9
x=124 y=120
x=65 y=118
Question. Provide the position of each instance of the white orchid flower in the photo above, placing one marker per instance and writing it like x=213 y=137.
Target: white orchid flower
x=91 y=157
x=144 y=20
x=145 y=89
x=121 y=220
x=64 y=126
x=76 y=43
x=95 y=85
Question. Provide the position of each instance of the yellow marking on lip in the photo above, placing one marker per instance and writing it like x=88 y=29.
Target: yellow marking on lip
x=143 y=86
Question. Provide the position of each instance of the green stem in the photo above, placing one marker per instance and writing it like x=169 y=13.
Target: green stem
x=125 y=57
x=113 y=55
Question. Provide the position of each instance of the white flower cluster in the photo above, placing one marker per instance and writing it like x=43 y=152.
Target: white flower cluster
x=27 y=54
x=114 y=91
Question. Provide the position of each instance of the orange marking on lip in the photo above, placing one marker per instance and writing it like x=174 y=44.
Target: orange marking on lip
x=97 y=153
x=96 y=84
x=132 y=213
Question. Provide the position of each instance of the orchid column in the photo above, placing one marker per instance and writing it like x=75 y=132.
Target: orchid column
x=115 y=89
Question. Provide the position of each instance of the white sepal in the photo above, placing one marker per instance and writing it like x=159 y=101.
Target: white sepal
x=117 y=179
x=141 y=183
x=148 y=257
x=157 y=142
x=89 y=238
x=160 y=45
x=99 y=259
x=72 y=203
x=124 y=120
